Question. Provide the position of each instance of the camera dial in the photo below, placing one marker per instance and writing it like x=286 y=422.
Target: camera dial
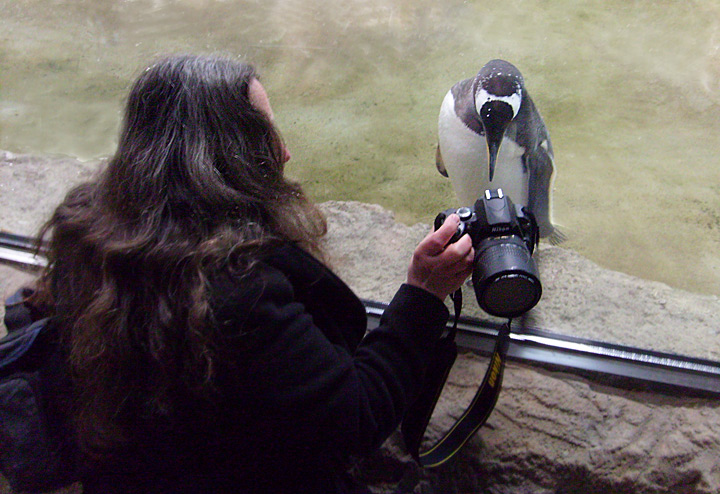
x=465 y=215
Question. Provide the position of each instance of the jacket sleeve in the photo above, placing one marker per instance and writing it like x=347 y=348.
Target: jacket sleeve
x=316 y=397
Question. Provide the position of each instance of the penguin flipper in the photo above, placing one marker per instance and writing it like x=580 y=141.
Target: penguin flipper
x=439 y=163
x=540 y=166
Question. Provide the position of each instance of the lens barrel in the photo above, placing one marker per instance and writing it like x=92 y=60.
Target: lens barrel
x=505 y=277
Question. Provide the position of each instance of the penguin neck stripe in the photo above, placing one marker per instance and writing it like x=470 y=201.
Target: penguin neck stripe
x=514 y=100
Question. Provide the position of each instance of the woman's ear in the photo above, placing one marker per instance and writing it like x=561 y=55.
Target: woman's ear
x=259 y=100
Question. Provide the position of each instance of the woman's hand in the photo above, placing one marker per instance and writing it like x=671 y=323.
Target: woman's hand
x=438 y=267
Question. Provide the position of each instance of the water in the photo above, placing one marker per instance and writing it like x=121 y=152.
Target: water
x=629 y=90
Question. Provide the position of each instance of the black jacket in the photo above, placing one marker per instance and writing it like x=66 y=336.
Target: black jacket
x=304 y=391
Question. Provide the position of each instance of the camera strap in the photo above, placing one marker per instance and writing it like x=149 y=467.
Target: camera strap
x=417 y=418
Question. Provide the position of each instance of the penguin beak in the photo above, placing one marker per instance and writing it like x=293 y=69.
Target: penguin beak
x=493 y=147
x=495 y=117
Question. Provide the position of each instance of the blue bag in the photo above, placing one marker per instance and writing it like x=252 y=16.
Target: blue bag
x=36 y=452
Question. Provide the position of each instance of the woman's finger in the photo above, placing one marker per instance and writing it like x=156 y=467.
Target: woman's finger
x=435 y=242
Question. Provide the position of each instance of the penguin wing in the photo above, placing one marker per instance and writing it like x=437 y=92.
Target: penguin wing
x=541 y=168
x=439 y=164
x=539 y=165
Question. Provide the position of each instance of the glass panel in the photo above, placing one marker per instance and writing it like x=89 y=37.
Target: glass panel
x=630 y=93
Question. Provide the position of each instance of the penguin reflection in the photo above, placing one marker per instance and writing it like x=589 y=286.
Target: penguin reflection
x=491 y=136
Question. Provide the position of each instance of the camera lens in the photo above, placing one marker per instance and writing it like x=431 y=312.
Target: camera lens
x=505 y=277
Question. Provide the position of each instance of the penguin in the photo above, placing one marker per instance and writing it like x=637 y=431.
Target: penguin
x=491 y=136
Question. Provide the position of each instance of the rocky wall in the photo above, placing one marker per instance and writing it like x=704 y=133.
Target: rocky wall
x=551 y=432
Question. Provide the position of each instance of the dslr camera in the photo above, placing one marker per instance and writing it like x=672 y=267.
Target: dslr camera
x=505 y=277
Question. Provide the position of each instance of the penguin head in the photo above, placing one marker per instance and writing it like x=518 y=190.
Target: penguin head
x=498 y=91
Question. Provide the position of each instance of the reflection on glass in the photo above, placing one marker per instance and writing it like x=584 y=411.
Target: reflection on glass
x=630 y=93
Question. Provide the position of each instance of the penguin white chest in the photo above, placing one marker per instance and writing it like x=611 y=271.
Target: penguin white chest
x=511 y=174
x=465 y=156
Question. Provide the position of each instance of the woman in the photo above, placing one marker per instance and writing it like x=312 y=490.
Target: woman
x=207 y=348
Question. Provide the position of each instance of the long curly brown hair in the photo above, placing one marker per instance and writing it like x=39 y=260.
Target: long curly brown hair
x=197 y=181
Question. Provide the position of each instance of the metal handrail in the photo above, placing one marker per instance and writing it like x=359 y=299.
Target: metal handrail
x=663 y=371
x=529 y=345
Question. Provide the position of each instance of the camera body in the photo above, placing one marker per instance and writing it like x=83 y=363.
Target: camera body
x=504 y=235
